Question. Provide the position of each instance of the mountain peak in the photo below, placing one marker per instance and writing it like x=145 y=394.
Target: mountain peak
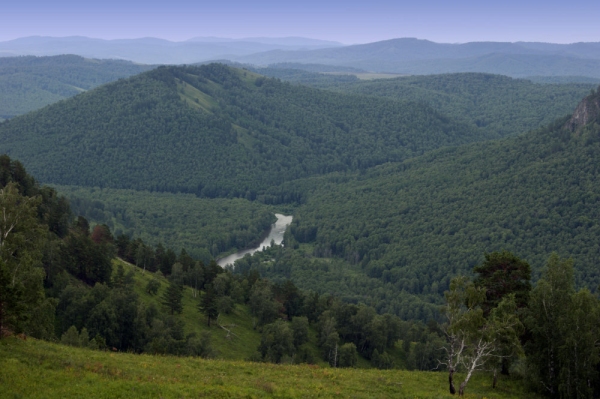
x=587 y=111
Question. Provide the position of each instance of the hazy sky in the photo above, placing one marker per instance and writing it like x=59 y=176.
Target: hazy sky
x=346 y=21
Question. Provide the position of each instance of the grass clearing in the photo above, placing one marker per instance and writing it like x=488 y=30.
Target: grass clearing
x=38 y=369
x=195 y=98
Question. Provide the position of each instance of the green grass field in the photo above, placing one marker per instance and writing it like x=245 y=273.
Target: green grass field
x=38 y=369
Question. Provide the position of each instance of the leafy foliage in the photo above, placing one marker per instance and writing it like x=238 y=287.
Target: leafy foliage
x=501 y=274
x=562 y=351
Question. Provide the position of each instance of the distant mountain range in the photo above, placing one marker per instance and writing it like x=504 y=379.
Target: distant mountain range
x=414 y=56
x=277 y=41
x=404 y=56
x=155 y=51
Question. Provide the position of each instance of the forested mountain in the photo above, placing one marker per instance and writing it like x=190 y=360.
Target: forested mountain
x=29 y=83
x=406 y=226
x=217 y=131
x=492 y=103
x=405 y=229
x=414 y=56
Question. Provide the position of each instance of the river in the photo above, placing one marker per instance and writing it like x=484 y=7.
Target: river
x=275 y=234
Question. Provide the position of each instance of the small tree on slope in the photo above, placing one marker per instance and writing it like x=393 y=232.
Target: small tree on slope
x=472 y=340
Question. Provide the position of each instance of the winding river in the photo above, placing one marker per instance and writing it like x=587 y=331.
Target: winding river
x=275 y=234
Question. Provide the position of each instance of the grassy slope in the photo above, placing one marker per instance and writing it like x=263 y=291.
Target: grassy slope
x=246 y=339
x=37 y=369
x=239 y=347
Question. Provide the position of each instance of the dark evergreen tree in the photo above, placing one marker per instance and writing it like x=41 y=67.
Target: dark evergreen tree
x=209 y=304
x=299 y=330
x=172 y=297
x=211 y=271
x=500 y=274
x=153 y=286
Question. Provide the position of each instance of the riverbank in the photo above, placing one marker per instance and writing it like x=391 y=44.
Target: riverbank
x=275 y=235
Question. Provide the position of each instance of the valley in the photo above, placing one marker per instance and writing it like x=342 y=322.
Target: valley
x=390 y=195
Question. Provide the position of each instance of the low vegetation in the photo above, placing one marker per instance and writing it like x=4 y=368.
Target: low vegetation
x=37 y=369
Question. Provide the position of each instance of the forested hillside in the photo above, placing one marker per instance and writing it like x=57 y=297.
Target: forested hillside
x=59 y=280
x=407 y=228
x=29 y=83
x=206 y=228
x=491 y=103
x=216 y=131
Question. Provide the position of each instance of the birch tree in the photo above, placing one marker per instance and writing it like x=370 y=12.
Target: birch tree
x=472 y=339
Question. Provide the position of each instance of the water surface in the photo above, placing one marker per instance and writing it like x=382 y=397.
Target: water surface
x=275 y=234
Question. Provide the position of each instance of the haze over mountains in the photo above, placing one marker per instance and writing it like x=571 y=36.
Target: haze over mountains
x=413 y=56
x=28 y=83
x=403 y=55
x=155 y=51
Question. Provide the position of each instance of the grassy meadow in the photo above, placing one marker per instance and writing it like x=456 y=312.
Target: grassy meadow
x=38 y=369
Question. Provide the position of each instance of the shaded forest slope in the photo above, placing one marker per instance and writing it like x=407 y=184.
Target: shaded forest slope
x=492 y=103
x=217 y=131
x=413 y=225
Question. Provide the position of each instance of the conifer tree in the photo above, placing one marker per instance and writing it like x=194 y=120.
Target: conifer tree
x=209 y=304
x=172 y=297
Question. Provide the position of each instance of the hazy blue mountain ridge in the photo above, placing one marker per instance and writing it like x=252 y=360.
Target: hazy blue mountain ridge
x=414 y=56
x=28 y=83
x=143 y=50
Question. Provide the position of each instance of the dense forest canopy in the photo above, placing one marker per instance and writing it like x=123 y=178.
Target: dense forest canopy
x=207 y=228
x=413 y=225
x=492 y=103
x=62 y=280
x=390 y=236
x=387 y=225
x=216 y=131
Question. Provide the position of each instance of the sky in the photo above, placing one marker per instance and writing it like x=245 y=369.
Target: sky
x=348 y=22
